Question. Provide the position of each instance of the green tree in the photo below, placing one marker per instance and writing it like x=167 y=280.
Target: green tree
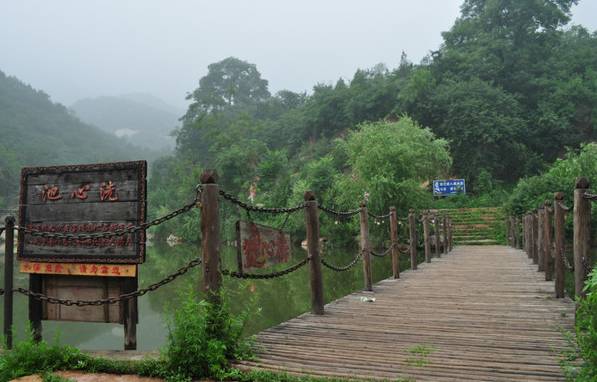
x=228 y=82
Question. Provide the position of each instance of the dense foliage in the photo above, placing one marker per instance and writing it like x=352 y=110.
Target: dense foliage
x=560 y=177
x=510 y=89
x=36 y=131
x=586 y=331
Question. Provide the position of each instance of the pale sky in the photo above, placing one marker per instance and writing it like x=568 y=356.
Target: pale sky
x=75 y=49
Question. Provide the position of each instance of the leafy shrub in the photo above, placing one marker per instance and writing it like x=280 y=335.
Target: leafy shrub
x=29 y=357
x=586 y=331
x=203 y=338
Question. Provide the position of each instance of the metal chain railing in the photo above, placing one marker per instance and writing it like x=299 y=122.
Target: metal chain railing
x=269 y=210
x=378 y=217
x=108 y=234
x=111 y=300
x=339 y=214
x=348 y=266
x=382 y=254
x=265 y=276
x=563 y=206
x=590 y=196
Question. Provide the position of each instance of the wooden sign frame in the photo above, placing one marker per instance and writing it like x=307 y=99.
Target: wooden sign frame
x=80 y=189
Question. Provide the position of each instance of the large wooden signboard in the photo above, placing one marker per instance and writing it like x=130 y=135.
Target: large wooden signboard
x=83 y=199
x=260 y=246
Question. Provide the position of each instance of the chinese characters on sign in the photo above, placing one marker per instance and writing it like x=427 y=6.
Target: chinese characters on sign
x=261 y=246
x=107 y=192
x=50 y=193
x=114 y=270
x=83 y=200
x=449 y=187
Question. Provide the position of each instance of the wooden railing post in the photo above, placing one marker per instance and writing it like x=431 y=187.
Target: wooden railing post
x=509 y=231
x=8 y=279
x=547 y=242
x=529 y=222
x=445 y=229
x=436 y=230
x=394 y=242
x=559 y=216
x=524 y=233
x=412 y=226
x=312 y=228
x=426 y=237
x=365 y=247
x=516 y=233
x=534 y=239
x=540 y=240
x=210 y=236
x=450 y=235
x=582 y=235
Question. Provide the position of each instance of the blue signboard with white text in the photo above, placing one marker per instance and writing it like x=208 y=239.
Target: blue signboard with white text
x=448 y=187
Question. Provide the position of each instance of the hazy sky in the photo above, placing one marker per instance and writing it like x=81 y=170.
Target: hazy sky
x=74 y=49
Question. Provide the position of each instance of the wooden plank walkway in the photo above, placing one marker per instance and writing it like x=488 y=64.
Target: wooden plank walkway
x=482 y=313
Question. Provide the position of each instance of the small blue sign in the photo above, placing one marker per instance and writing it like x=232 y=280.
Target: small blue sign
x=448 y=187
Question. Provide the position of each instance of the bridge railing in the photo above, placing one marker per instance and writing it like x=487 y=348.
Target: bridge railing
x=541 y=235
x=435 y=229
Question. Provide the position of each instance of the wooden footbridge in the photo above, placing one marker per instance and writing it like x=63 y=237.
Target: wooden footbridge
x=480 y=313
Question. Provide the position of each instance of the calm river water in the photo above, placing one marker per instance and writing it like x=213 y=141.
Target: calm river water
x=278 y=299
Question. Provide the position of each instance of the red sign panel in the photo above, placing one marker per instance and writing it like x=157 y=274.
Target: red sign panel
x=260 y=246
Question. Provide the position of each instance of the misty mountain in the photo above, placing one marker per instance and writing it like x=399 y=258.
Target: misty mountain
x=34 y=131
x=142 y=119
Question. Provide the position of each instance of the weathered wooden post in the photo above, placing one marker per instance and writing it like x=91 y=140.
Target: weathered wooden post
x=394 y=241
x=412 y=226
x=516 y=233
x=559 y=215
x=450 y=235
x=210 y=239
x=8 y=279
x=445 y=229
x=509 y=231
x=535 y=238
x=438 y=252
x=312 y=228
x=540 y=240
x=547 y=242
x=530 y=235
x=426 y=237
x=365 y=247
x=524 y=233
x=582 y=235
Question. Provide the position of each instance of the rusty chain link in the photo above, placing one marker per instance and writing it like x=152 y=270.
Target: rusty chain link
x=382 y=254
x=111 y=300
x=337 y=268
x=563 y=207
x=265 y=276
x=109 y=234
x=378 y=217
x=247 y=207
x=339 y=214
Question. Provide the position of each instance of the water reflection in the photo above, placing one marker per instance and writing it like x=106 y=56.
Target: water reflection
x=278 y=299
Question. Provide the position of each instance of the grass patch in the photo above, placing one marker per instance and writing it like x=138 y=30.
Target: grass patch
x=418 y=355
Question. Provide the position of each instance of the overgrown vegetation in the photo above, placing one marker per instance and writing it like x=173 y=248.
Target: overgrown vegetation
x=203 y=339
x=580 y=363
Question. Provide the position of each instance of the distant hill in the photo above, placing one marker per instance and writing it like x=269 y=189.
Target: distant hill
x=142 y=119
x=36 y=131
